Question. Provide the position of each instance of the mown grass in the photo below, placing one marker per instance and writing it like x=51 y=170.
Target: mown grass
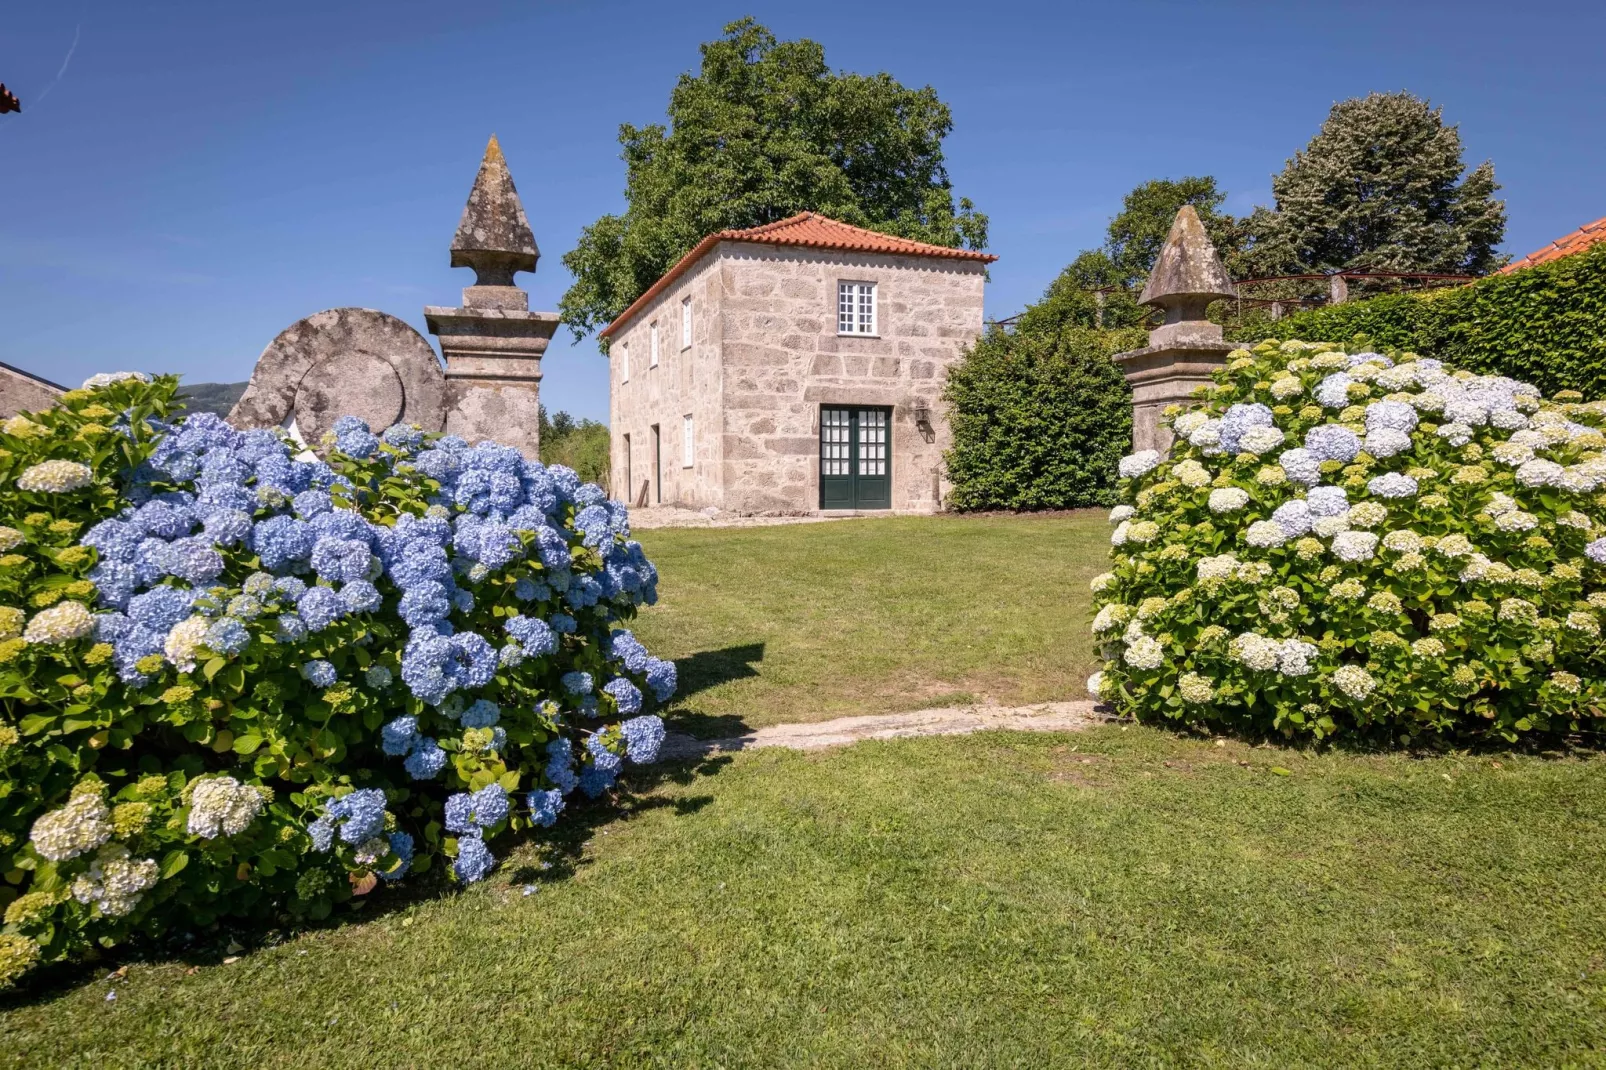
x=1109 y=898
x=812 y=621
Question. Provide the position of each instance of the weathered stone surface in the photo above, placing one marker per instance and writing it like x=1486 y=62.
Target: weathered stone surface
x=494 y=343
x=494 y=237
x=353 y=384
x=765 y=356
x=344 y=361
x=1188 y=274
x=1072 y=716
x=1184 y=351
x=22 y=391
x=508 y=413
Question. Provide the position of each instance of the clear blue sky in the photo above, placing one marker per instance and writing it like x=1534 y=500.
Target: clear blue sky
x=199 y=175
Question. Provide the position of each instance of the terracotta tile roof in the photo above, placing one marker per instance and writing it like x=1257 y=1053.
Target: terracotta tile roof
x=1576 y=242
x=808 y=229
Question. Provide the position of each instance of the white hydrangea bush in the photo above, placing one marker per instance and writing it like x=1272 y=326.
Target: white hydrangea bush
x=1359 y=543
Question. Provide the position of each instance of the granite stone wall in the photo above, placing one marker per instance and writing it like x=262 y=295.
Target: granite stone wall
x=686 y=380
x=22 y=391
x=766 y=356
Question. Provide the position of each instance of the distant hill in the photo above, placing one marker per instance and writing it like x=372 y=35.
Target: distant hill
x=211 y=397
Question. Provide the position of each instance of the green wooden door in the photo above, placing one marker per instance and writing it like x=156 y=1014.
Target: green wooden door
x=855 y=458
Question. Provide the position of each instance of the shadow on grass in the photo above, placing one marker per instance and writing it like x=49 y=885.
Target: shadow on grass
x=560 y=854
x=707 y=669
x=710 y=668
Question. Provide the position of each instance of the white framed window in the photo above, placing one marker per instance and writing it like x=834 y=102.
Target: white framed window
x=855 y=308
x=652 y=345
x=688 y=441
x=685 y=323
x=624 y=363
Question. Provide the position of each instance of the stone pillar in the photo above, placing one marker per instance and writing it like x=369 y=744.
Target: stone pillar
x=494 y=343
x=1337 y=290
x=1185 y=349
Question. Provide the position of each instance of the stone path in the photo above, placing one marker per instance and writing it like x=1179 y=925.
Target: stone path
x=671 y=516
x=950 y=721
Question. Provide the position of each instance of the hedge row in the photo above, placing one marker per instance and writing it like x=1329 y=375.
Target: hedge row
x=1544 y=325
x=1039 y=419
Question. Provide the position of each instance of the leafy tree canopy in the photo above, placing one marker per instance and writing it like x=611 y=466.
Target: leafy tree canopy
x=1381 y=186
x=766 y=130
x=1132 y=243
x=580 y=444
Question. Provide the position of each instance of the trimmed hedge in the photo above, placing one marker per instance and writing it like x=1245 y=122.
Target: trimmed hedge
x=1544 y=325
x=1039 y=419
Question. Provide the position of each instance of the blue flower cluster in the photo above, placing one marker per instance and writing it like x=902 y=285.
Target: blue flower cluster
x=402 y=739
x=357 y=817
x=212 y=498
x=471 y=815
x=643 y=737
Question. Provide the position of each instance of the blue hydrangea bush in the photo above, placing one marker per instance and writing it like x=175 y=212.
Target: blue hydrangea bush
x=240 y=682
x=1366 y=544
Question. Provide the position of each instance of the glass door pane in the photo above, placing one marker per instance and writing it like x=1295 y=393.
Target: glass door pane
x=836 y=458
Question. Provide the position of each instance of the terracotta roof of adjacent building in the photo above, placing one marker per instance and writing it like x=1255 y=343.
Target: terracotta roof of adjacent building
x=807 y=229
x=1576 y=242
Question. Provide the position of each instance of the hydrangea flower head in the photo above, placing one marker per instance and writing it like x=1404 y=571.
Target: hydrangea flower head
x=1138 y=464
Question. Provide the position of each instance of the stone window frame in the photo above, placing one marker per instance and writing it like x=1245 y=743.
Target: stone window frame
x=688 y=441
x=624 y=362
x=652 y=344
x=685 y=323
x=874 y=330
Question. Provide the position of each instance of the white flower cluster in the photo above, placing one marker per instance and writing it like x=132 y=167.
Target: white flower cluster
x=80 y=826
x=184 y=643
x=55 y=477
x=61 y=623
x=1228 y=499
x=114 y=882
x=1353 y=681
x=95 y=382
x=1140 y=463
x=1330 y=499
x=222 y=806
x=1289 y=657
x=1195 y=689
x=1144 y=652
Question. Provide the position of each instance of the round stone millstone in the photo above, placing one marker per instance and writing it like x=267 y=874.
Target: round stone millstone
x=344 y=361
x=350 y=384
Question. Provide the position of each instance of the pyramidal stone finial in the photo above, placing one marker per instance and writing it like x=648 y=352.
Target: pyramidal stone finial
x=493 y=236
x=1187 y=274
x=1187 y=348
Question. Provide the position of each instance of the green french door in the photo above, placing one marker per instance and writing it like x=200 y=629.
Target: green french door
x=855 y=457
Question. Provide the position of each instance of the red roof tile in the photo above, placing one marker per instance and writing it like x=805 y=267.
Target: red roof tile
x=807 y=229
x=1576 y=242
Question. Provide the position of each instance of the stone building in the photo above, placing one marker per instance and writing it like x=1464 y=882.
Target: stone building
x=792 y=368
x=22 y=391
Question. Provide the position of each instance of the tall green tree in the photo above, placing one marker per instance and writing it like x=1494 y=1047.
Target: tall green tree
x=1382 y=186
x=763 y=131
x=1132 y=242
x=1136 y=234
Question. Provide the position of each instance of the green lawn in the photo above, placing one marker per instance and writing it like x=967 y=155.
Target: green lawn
x=1117 y=897
x=812 y=621
x=1113 y=898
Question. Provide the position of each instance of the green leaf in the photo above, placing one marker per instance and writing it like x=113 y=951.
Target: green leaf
x=247 y=743
x=213 y=667
x=34 y=723
x=174 y=862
